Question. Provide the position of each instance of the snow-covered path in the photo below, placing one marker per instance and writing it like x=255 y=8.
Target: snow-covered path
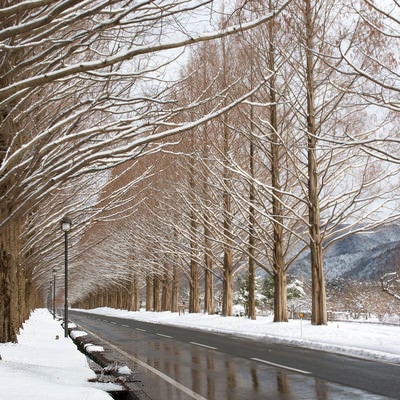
x=42 y=366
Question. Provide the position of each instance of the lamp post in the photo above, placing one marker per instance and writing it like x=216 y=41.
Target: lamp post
x=66 y=227
x=49 y=302
x=54 y=293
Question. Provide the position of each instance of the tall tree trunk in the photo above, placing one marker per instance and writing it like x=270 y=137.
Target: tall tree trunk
x=227 y=299
x=9 y=260
x=101 y=299
x=319 y=313
x=133 y=293
x=166 y=293
x=227 y=295
x=29 y=293
x=280 y=296
x=11 y=317
x=10 y=234
x=105 y=297
x=208 y=281
x=194 y=301
x=280 y=292
x=252 y=220
x=118 y=297
x=7 y=331
x=208 y=273
x=149 y=292
x=157 y=293
x=175 y=290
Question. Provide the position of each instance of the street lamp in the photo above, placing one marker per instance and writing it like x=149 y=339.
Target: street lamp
x=49 y=302
x=66 y=227
x=54 y=293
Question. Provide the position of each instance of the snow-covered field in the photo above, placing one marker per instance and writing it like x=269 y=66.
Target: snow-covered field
x=43 y=367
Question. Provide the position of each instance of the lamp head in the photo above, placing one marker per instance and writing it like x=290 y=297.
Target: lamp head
x=66 y=224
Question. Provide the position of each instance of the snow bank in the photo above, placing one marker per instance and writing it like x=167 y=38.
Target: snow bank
x=41 y=366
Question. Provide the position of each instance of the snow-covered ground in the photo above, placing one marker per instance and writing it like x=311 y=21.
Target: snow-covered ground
x=43 y=367
x=40 y=366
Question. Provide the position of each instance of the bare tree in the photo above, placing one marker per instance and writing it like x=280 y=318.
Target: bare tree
x=378 y=28
x=100 y=64
x=336 y=180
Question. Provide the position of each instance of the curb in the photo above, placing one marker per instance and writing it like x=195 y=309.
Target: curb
x=109 y=366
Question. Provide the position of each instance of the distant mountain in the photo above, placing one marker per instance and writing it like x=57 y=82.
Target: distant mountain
x=364 y=256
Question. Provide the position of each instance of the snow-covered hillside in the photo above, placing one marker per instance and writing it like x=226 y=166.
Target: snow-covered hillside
x=365 y=256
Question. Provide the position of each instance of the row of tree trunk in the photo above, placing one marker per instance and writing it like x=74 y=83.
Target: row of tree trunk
x=161 y=294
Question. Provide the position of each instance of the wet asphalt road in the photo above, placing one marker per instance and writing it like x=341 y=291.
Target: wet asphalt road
x=176 y=363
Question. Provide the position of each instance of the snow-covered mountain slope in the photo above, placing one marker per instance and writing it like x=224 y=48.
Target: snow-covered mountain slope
x=365 y=256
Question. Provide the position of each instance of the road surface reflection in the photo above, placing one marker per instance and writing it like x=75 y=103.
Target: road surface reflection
x=217 y=376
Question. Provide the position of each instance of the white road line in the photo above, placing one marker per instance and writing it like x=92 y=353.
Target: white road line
x=168 y=379
x=281 y=366
x=141 y=330
x=125 y=326
x=166 y=336
x=112 y=322
x=203 y=345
